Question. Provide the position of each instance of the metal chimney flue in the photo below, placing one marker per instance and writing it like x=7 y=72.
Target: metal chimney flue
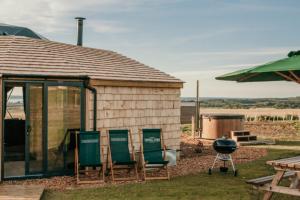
x=79 y=30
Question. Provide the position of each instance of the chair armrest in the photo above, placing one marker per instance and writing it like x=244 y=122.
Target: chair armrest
x=102 y=155
x=164 y=156
x=132 y=153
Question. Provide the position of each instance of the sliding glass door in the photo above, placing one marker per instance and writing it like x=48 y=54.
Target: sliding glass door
x=64 y=106
x=53 y=111
x=34 y=129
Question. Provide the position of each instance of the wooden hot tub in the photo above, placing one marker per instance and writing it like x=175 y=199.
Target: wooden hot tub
x=217 y=125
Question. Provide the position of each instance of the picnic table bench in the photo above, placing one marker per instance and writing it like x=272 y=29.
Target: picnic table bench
x=267 y=179
x=285 y=168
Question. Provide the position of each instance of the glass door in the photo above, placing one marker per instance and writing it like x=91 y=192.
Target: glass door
x=34 y=129
x=63 y=117
x=41 y=141
x=14 y=130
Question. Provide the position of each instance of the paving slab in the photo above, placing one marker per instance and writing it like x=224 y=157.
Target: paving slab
x=21 y=192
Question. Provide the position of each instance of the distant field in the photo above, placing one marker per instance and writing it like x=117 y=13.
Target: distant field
x=281 y=129
x=231 y=103
x=253 y=111
x=188 y=111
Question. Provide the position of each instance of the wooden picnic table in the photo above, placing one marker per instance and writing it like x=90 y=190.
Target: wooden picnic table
x=283 y=166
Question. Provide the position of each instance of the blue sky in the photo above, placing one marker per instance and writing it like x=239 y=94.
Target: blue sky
x=190 y=39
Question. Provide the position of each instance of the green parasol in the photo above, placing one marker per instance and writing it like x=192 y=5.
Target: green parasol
x=287 y=69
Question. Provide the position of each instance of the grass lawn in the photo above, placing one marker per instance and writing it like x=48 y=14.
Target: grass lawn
x=288 y=143
x=200 y=186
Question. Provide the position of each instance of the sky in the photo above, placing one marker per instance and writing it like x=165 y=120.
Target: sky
x=190 y=39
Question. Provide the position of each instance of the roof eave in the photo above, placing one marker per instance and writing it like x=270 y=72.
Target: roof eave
x=11 y=75
x=136 y=83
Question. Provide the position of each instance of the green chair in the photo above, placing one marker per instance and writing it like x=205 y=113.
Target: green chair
x=153 y=153
x=88 y=155
x=120 y=157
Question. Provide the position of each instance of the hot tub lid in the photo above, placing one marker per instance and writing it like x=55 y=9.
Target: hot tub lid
x=223 y=116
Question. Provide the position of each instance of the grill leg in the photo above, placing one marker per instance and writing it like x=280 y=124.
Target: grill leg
x=231 y=161
x=217 y=157
x=235 y=171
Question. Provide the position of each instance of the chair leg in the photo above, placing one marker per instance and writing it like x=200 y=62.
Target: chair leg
x=100 y=172
x=77 y=174
x=144 y=171
x=168 y=174
x=103 y=175
x=164 y=177
x=112 y=172
x=136 y=171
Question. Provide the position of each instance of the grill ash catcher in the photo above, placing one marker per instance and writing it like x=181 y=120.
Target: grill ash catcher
x=224 y=148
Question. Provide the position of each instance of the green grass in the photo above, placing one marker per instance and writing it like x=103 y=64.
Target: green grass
x=288 y=143
x=201 y=186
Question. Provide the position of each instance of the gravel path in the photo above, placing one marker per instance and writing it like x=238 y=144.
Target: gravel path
x=196 y=156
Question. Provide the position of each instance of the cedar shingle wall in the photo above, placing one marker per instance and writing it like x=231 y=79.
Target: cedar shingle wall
x=129 y=107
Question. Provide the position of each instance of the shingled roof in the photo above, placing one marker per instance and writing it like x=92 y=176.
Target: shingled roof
x=28 y=56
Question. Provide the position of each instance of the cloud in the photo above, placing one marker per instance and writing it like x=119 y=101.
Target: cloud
x=259 y=6
x=102 y=26
x=246 y=52
x=205 y=35
x=274 y=52
x=210 y=60
x=209 y=87
x=40 y=15
x=48 y=16
x=215 y=70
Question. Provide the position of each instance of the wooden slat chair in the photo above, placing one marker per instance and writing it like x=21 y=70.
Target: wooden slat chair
x=88 y=155
x=153 y=153
x=119 y=154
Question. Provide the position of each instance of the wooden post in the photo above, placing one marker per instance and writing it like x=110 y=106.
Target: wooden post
x=197 y=107
x=193 y=127
x=197 y=113
x=201 y=124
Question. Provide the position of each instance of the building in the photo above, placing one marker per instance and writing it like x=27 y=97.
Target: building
x=66 y=87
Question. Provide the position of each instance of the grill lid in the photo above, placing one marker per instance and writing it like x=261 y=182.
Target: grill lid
x=224 y=146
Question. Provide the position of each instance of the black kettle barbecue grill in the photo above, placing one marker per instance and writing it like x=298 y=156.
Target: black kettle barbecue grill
x=224 y=148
